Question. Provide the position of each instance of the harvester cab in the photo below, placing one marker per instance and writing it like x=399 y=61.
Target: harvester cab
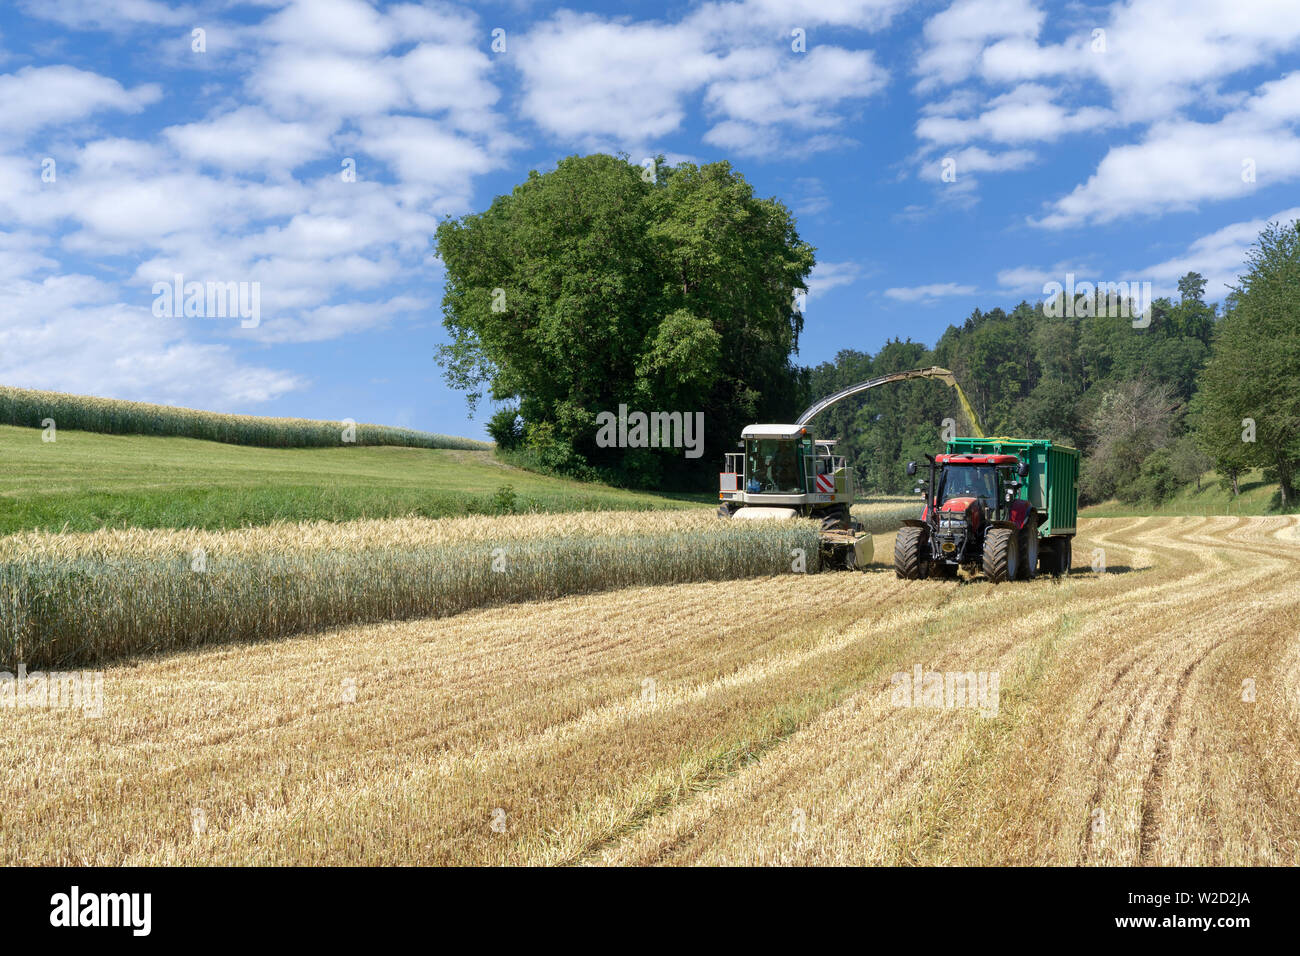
x=783 y=472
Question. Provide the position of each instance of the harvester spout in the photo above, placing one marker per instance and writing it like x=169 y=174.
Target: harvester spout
x=933 y=371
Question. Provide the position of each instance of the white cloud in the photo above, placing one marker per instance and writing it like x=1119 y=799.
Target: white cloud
x=607 y=84
x=972 y=160
x=589 y=79
x=331 y=321
x=956 y=37
x=347 y=26
x=929 y=293
x=406 y=91
x=830 y=275
x=1219 y=256
x=249 y=138
x=422 y=150
x=38 y=96
x=1160 y=55
x=1024 y=114
x=1182 y=163
x=1030 y=280
x=67 y=333
x=110 y=14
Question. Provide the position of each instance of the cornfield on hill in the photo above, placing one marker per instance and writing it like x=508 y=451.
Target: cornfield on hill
x=30 y=408
x=69 y=599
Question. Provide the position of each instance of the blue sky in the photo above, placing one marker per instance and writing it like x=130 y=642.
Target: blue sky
x=1127 y=141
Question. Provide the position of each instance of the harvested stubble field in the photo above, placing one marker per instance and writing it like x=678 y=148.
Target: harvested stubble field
x=738 y=722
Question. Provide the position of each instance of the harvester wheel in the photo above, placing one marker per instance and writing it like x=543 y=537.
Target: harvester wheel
x=1001 y=554
x=910 y=560
x=726 y=510
x=1029 y=547
x=837 y=519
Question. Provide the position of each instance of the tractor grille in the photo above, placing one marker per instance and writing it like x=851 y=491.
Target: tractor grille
x=950 y=539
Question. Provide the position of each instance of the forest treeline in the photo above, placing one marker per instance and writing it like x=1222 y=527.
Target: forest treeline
x=1152 y=405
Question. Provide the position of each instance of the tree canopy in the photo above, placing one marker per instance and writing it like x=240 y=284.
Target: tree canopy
x=602 y=283
x=1248 y=407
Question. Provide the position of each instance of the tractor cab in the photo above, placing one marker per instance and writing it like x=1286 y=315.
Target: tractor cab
x=976 y=487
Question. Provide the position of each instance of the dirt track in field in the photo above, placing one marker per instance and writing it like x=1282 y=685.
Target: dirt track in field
x=746 y=722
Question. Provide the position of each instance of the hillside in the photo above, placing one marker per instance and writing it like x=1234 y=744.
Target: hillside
x=83 y=481
x=1257 y=497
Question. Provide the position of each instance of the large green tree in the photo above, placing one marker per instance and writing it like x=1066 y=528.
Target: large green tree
x=1248 y=406
x=603 y=283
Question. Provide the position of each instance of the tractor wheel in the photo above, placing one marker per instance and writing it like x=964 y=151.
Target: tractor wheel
x=1001 y=554
x=1029 y=548
x=911 y=553
x=837 y=519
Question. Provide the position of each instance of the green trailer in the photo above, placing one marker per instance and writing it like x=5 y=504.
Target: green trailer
x=1052 y=486
x=1006 y=507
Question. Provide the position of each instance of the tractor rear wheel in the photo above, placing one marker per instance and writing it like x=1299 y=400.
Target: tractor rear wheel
x=1001 y=554
x=1029 y=547
x=911 y=553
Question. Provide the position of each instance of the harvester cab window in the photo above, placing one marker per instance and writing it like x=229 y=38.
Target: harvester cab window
x=772 y=466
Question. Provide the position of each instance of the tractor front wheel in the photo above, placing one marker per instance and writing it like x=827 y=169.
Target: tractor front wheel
x=1001 y=554
x=911 y=553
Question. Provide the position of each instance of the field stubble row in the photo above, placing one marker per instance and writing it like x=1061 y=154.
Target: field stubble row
x=725 y=722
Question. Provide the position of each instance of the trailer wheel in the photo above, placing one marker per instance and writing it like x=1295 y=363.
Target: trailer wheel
x=910 y=560
x=1065 y=556
x=1001 y=554
x=1029 y=547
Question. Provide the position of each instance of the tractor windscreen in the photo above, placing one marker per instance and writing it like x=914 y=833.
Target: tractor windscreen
x=772 y=466
x=969 y=481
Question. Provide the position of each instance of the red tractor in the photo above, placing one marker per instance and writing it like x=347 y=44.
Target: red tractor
x=1009 y=515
